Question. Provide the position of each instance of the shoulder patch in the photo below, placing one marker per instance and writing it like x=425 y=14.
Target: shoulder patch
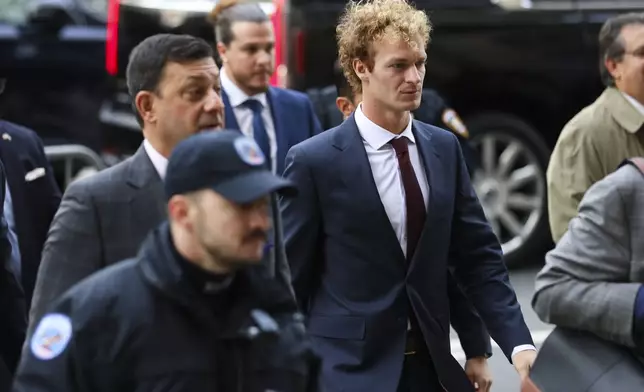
x=452 y=120
x=51 y=336
x=249 y=151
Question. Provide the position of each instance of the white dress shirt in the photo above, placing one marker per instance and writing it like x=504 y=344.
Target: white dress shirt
x=635 y=103
x=244 y=115
x=386 y=174
x=159 y=162
x=386 y=171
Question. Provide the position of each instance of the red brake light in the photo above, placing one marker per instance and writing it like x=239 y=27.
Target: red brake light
x=111 y=42
x=277 y=18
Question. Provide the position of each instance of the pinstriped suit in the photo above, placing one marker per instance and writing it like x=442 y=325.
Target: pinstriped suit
x=590 y=280
x=104 y=219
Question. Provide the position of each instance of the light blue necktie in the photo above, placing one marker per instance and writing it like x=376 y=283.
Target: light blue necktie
x=11 y=233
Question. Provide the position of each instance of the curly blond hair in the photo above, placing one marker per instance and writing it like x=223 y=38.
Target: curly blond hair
x=366 y=22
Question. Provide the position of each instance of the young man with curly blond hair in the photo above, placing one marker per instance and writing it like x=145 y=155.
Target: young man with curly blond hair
x=385 y=212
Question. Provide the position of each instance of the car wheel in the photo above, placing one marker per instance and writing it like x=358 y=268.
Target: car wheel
x=511 y=184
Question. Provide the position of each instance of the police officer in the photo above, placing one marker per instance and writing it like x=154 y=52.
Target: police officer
x=194 y=311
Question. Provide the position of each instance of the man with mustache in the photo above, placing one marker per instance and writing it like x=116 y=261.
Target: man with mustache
x=175 y=89
x=277 y=118
x=195 y=311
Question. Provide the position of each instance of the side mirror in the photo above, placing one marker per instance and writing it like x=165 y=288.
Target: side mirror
x=50 y=16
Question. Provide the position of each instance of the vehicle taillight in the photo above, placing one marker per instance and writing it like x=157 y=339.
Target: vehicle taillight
x=111 y=41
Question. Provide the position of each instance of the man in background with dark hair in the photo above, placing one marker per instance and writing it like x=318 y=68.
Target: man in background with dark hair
x=277 y=118
x=608 y=131
x=174 y=84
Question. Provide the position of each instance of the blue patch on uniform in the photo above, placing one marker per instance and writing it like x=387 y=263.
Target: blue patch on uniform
x=249 y=151
x=51 y=337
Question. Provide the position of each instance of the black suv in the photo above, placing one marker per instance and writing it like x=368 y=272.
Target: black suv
x=516 y=70
x=53 y=55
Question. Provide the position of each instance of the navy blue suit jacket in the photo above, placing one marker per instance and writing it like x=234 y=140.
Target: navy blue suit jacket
x=34 y=201
x=12 y=304
x=293 y=116
x=348 y=268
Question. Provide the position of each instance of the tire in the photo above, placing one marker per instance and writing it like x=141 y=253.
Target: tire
x=516 y=192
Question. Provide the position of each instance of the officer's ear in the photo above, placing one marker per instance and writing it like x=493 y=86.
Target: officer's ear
x=179 y=211
x=345 y=106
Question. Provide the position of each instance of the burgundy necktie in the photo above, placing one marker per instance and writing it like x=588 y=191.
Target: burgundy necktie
x=416 y=214
x=414 y=201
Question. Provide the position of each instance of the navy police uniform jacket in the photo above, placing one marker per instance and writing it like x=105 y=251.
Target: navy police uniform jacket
x=144 y=325
x=435 y=110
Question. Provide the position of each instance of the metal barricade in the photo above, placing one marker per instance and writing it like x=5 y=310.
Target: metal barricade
x=71 y=154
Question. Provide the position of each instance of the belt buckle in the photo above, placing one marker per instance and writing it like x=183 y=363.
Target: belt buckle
x=411 y=343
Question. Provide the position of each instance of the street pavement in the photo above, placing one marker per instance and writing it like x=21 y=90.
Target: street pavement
x=505 y=377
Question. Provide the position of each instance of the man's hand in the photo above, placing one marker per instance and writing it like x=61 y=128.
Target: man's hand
x=479 y=374
x=523 y=361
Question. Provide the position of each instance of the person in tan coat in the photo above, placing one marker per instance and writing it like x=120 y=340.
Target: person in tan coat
x=602 y=135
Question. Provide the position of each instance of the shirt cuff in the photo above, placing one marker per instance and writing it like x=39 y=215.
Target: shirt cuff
x=523 y=347
x=639 y=305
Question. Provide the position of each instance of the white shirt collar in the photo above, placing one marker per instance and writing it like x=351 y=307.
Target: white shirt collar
x=635 y=103
x=159 y=162
x=375 y=135
x=235 y=94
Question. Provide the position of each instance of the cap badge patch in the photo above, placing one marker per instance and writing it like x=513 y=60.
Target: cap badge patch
x=51 y=337
x=249 y=151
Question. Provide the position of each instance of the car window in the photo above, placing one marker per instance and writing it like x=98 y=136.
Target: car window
x=182 y=5
x=95 y=8
x=14 y=12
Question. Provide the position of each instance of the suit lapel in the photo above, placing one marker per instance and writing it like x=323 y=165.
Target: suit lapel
x=431 y=163
x=358 y=178
x=280 y=116
x=148 y=196
x=230 y=120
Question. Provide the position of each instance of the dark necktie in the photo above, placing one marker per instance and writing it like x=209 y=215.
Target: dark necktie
x=414 y=202
x=259 y=129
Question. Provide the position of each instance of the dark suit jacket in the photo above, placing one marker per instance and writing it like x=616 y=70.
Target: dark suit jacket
x=104 y=219
x=13 y=323
x=349 y=271
x=293 y=116
x=35 y=201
